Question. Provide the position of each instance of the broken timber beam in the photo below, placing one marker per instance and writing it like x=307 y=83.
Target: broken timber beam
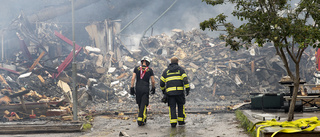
x=41 y=79
x=23 y=104
x=5 y=82
x=9 y=70
x=37 y=61
x=69 y=58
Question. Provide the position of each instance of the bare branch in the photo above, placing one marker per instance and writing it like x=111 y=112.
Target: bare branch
x=291 y=55
x=300 y=54
x=285 y=61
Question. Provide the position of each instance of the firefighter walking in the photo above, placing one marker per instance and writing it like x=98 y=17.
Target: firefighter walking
x=142 y=74
x=173 y=82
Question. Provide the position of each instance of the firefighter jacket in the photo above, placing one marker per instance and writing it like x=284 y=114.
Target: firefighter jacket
x=143 y=74
x=174 y=80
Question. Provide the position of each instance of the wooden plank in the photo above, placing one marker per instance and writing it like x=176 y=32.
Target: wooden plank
x=252 y=67
x=36 y=61
x=9 y=70
x=29 y=127
x=22 y=103
x=302 y=97
x=5 y=99
x=39 y=108
x=5 y=82
x=41 y=79
x=316 y=88
x=214 y=89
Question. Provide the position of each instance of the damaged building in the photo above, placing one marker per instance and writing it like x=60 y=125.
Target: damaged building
x=36 y=54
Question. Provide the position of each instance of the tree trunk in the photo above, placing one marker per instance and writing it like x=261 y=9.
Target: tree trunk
x=293 y=100
x=296 y=83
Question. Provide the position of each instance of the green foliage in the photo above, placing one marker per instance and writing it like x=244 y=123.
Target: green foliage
x=268 y=21
x=213 y=2
x=290 y=28
x=212 y=22
x=245 y=122
x=86 y=126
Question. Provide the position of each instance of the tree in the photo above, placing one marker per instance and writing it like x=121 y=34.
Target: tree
x=291 y=28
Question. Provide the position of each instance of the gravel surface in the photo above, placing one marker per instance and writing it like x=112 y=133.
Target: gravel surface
x=198 y=125
x=221 y=123
x=214 y=125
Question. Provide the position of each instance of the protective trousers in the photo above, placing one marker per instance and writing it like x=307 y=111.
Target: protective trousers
x=142 y=99
x=173 y=101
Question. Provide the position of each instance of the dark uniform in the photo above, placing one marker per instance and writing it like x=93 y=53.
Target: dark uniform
x=173 y=82
x=142 y=90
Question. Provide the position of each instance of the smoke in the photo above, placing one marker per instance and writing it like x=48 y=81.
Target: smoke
x=185 y=14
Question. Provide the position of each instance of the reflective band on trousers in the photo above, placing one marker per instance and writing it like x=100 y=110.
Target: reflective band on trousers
x=173 y=121
x=174 y=88
x=144 y=113
x=186 y=85
x=180 y=119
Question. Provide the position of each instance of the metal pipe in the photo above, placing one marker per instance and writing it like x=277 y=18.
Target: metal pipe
x=154 y=23
x=130 y=22
x=2 y=52
x=74 y=71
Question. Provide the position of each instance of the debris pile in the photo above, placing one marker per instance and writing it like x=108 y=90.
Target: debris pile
x=216 y=72
x=41 y=69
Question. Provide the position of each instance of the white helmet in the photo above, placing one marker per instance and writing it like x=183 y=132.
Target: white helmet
x=146 y=58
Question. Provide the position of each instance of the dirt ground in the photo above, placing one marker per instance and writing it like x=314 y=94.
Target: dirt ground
x=214 y=125
x=198 y=125
x=218 y=124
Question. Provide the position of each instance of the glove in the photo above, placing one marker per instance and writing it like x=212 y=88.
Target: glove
x=164 y=98
x=187 y=91
x=153 y=90
x=132 y=92
x=164 y=91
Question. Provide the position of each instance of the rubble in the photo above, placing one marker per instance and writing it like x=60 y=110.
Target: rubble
x=104 y=68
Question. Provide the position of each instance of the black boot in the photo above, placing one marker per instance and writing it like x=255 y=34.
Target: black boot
x=182 y=122
x=140 y=123
x=173 y=124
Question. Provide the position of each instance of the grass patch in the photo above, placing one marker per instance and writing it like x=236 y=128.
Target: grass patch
x=245 y=122
x=86 y=126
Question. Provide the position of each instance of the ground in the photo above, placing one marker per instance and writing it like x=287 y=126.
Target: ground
x=204 y=119
x=214 y=125
x=198 y=125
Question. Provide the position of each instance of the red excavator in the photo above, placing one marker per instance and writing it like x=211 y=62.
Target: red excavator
x=317 y=72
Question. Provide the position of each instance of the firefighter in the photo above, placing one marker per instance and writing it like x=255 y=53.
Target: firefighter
x=173 y=82
x=142 y=74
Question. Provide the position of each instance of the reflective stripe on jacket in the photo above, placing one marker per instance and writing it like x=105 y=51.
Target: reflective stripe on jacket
x=174 y=80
